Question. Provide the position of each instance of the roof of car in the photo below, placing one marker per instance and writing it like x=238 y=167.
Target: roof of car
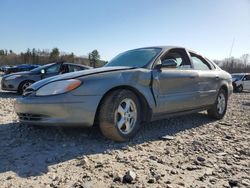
x=85 y=66
x=240 y=73
x=170 y=47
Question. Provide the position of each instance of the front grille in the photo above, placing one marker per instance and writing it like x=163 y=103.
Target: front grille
x=30 y=117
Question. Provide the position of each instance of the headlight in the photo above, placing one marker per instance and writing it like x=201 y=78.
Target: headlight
x=13 y=77
x=58 y=87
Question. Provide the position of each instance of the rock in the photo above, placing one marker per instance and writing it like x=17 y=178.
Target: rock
x=118 y=178
x=167 y=137
x=152 y=157
x=233 y=183
x=190 y=168
x=181 y=184
x=9 y=178
x=82 y=162
x=221 y=154
x=213 y=180
x=151 y=180
x=174 y=171
x=209 y=172
x=98 y=165
x=129 y=177
x=245 y=182
x=201 y=159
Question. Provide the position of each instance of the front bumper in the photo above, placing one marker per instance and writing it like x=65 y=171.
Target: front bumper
x=61 y=110
x=9 y=85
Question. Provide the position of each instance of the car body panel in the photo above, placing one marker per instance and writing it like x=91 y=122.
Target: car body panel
x=166 y=91
x=33 y=76
x=242 y=80
x=62 y=109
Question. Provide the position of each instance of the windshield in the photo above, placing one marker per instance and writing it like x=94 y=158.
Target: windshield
x=237 y=76
x=134 y=58
x=38 y=69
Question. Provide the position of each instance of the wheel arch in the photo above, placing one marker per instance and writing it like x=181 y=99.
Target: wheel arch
x=146 y=109
x=225 y=88
x=22 y=82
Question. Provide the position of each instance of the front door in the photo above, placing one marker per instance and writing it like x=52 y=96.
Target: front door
x=176 y=88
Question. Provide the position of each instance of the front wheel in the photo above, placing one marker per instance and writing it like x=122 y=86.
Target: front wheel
x=24 y=85
x=240 y=88
x=120 y=115
x=219 y=108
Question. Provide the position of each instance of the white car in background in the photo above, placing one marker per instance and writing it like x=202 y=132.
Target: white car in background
x=241 y=81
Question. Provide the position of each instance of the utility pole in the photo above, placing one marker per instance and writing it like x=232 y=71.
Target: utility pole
x=230 y=54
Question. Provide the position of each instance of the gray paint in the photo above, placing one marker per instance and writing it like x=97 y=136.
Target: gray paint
x=166 y=91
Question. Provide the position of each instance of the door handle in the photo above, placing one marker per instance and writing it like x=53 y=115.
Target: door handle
x=217 y=77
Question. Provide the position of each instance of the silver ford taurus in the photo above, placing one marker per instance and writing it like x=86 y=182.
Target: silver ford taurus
x=135 y=87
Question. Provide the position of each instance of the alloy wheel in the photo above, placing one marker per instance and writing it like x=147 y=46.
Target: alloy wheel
x=126 y=116
x=221 y=103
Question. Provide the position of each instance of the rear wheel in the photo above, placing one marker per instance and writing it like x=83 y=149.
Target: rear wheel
x=240 y=88
x=24 y=85
x=219 y=109
x=120 y=115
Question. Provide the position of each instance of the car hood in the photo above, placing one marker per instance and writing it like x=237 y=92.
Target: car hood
x=77 y=74
x=24 y=73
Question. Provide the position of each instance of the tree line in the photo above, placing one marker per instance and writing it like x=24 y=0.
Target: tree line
x=235 y=65
x=41 y=57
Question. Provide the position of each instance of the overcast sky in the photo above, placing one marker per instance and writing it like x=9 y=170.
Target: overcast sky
x=113 y=26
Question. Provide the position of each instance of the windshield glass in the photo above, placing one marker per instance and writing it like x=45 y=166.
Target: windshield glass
x=236 y=76
x=134 y=58
x=38 y=69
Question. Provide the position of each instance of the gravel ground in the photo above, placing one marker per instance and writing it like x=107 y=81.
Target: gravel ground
x=198 y=152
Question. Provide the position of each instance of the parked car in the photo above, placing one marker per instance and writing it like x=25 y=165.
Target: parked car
x=21 y=80
x=4 y=68
x=135 y=87
x=20 y=68
x=241 y=81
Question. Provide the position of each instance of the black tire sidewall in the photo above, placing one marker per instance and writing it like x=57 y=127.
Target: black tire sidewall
x=107 y=115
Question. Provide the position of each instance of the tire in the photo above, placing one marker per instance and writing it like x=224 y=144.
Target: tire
x=120 y=115
x=24 y=85
x=219 y=108
x=240 y=88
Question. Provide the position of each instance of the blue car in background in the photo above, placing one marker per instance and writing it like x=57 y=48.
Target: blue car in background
x=19 y=68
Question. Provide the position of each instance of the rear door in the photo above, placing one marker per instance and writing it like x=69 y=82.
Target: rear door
x=246 y=82
x=208 y=79
x=176 y=89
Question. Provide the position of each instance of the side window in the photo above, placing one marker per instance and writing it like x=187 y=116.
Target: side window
x=64 y=69
x=199 y=63
x=247 y=77
x=53 y=69
x=74 y=68
x=180 y=56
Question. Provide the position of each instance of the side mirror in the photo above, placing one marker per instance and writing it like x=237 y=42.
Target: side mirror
x=42 y=71
x=244 y=79
x=169 y=63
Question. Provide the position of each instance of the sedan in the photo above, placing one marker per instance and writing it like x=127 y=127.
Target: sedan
x=136 y=87
x=20 y=81
x=241 y=81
